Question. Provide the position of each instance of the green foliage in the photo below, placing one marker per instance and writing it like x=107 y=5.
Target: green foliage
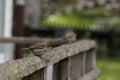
x=94 y=12
x=110 y=68
x=111 y=21
x=85 y=19
x=27 y=54
x=114 y=21
x=68 y=20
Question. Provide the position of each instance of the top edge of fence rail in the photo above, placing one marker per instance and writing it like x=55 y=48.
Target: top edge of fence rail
x=16 y=69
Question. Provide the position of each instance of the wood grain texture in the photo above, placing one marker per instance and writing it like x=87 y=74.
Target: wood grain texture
x=76 y=69
x=61 y=70
x=90 y=60
x=23 y=40
x=66 y=38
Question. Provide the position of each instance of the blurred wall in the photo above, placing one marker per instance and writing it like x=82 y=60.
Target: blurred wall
x=6 y=9
x=8 y=24
x=2 y=8
x=32 y=12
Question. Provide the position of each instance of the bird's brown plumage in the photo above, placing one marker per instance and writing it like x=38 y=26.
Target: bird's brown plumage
x=40 y=45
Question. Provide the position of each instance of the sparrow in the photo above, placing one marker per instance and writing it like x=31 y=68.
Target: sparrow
x=39 y=49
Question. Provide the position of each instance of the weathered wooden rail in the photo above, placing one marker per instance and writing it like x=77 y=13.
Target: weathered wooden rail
x=73 y=61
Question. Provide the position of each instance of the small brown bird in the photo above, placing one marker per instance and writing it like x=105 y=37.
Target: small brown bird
x=38 y=48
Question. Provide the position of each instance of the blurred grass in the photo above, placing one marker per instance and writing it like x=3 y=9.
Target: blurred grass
x=68 y=20
x=79 y=21
x=82 y=19
x=27 y=54
x=110 y=68
x=94 y=12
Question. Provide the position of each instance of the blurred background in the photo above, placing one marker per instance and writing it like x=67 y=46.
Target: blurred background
x=89 y=19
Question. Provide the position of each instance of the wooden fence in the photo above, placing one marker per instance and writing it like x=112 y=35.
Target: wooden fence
x=73 y=61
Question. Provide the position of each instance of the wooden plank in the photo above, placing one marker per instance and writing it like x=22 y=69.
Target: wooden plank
x=38 y=75
x=18 y=29
x=84 y=63
x=23 y=40
x=49 y=75
x=90 y=60
x=61 y=70
x=76 y=69
x=66 y=38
